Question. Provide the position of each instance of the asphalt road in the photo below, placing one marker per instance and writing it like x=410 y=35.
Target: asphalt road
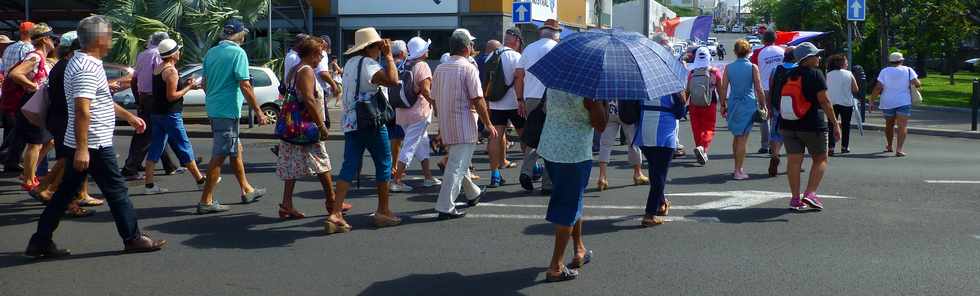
x=887 y=232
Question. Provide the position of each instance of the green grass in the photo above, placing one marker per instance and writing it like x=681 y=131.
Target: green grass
x=936 y=90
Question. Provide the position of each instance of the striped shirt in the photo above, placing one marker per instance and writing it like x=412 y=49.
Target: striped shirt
x=85 y=78
x=657 y=128
x=454 y=86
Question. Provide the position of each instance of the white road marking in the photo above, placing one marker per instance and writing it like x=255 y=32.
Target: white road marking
x=976 y=236
x=589 y=218
x=735 y=200
x=952 y=182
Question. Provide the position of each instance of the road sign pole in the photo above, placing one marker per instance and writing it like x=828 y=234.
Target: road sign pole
x=850 y=45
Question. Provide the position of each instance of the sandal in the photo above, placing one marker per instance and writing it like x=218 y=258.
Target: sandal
x=89 y=201
x=653 y=221
x=565 y=274
x=37 y=196
x=664 y=208
x=344 y=209
x=385 y=221
x=79 y=213
x=585 y=260
x=335 y=227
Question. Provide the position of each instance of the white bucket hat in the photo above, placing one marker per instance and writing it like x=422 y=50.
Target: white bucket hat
x=168 y=47
x=364 y=38
x=417 y=47
x=702 y=58
x=896 y=57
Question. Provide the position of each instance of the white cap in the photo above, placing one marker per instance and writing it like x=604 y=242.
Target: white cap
x=417 y=47
x=465 y=31
x=896 y=57
x=702 y=58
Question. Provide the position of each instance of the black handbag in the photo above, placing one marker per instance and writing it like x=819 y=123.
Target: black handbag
x=534 y=124
x=375 y=112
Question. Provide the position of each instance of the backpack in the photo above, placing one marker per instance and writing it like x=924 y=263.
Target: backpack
x=792 y=104
x=492 y=77
x=404 y=95
x=699 y=88
x=629 y=111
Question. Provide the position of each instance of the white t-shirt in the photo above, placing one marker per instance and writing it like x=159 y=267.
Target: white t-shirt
x=769 y=58
x=85 y=78
x=509 y=60
x=533 y=88
x=366 y=91
x=323 y=66
x=839 y=87
x=292 y=59
x=895 y=86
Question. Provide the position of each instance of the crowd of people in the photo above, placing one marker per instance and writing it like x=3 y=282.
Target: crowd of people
x=388 y=96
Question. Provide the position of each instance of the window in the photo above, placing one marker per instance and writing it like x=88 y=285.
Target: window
x=259 y=78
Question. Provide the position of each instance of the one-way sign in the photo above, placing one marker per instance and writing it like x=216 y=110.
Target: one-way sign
x=522 y=12
x=855 y=10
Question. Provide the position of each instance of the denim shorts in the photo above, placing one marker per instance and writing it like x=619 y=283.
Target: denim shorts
x=225 y=133
x=166 y=129
x=904 y=111
x=375 y=141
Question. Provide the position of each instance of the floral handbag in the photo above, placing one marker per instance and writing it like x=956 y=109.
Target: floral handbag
x=296 y=124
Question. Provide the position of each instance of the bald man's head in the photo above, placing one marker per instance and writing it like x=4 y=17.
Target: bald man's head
x=492 y=45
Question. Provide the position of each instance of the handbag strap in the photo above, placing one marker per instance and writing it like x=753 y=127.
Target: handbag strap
x=357 y=84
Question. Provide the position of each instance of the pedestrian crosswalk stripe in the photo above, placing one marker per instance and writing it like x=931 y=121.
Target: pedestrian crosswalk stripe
x=587 y=218
x=952 y=182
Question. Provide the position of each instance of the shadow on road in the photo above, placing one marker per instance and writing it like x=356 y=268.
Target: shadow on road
x=11 y=259
x=452 y=283
x=237 y=231
x=874 y=155
x=589 y=227
x=746 y=215
x=712 y=179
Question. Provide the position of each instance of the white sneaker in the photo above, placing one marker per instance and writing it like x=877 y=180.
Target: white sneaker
x=395 y=187
x=156 y=189
x=702 y=157
x=431 y=182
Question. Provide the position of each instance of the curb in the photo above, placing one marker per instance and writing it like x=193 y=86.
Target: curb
x=928 y=131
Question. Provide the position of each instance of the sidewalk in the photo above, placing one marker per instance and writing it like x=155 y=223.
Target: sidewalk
x=933 y=121
x=925 y=120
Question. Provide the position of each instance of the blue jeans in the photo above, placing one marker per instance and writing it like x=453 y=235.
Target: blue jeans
x=904 y=111
x=567 y=197
x=658 y=159
x=169 y=129
x=105 y=172
x=374 y=141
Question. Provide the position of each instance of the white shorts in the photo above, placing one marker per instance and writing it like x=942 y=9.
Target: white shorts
x=416 y=143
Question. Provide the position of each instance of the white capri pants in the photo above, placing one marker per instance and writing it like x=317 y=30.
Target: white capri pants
x=609 y=136
x=416 y=143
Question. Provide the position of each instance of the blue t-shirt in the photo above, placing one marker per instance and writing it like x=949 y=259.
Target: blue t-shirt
x=225 y=65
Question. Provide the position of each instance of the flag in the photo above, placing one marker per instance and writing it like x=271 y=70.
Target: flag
x=689 y=28
x=796 y=37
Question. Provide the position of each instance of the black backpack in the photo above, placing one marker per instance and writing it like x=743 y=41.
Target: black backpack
x=404 y=95
x=492 y=77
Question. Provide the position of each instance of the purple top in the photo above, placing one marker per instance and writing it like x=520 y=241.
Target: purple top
x=146 y=61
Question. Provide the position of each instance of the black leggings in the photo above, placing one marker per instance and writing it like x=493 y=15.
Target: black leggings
x=844 y=117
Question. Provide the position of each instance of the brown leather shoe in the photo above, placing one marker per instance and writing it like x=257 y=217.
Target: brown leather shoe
x=144 y=244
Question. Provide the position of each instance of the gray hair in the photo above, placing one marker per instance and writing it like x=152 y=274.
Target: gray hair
x=237 y=37
x=398 y=47
x=157 y=37
x=458 y=43
x=550 y=34
x=91 y=28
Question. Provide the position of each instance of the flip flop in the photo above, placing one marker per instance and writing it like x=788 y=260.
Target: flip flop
x=90 y=202
x=566 y=274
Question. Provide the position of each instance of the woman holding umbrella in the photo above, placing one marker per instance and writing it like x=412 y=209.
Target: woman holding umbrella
x=612 y=59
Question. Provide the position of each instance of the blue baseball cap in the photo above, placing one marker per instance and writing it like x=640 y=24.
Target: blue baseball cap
x=234 y=26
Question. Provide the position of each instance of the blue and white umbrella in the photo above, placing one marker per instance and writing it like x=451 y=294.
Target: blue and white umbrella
x=611 y=65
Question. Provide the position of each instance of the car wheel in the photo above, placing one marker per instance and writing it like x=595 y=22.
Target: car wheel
x=271 y=112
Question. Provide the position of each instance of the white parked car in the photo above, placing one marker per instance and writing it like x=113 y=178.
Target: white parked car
x=264 y=82
x=720 y=29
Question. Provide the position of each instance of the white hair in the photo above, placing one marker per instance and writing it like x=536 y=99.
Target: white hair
x=91 y=28
x=157 y=37
x=550 y=34
x=398 y=47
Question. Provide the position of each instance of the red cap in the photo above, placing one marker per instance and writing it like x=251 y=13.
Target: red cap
x=26 y=27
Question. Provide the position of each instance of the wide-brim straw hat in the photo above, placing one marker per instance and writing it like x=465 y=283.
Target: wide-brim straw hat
x=364 y=38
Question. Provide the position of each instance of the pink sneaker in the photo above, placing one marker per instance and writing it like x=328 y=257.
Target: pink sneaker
x=741 y=175
x=811 y=199
x=796 y=204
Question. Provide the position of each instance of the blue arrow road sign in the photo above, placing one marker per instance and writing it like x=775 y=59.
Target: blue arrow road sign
x=855 y=10
x=522 y=12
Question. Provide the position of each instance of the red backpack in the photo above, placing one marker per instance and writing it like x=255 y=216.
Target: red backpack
x=792 y=104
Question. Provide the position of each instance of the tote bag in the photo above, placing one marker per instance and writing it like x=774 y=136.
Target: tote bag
x=36 y=108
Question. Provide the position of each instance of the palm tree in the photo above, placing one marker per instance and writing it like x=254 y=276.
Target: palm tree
x=196 y=24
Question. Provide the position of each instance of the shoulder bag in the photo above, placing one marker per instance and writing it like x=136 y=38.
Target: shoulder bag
x=296 y=125
x=916 y=95
x=374 y=112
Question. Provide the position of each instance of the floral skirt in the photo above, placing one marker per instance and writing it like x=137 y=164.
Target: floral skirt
x=297 y=161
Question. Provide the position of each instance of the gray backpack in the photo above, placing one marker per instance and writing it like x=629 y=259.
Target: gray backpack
x=699 y=88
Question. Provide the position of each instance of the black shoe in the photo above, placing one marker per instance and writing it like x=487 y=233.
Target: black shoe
x=763 y=150
x=473 y=202
x=40 y=250
x=845 y=151
x=545 y=192
x=450 y=216
x=527 y=182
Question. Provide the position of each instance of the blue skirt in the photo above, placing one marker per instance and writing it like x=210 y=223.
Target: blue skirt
x=740 y=112
x=565 y=206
